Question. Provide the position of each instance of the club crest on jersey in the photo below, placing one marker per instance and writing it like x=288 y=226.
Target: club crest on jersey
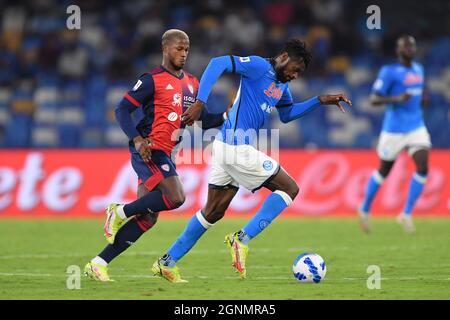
x=176 y=100
x=191 y=88
x=173 y=116
x=267 y=165
x=165 y=167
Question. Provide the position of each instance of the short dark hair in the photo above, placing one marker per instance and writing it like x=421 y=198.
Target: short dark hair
x=296 y=49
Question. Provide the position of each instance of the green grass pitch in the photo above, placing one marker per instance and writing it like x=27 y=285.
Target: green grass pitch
x=34 y=256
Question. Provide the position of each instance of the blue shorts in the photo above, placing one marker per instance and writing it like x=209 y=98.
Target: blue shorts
x=151 y=174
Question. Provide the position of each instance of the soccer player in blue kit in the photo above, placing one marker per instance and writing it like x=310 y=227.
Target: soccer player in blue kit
x=401 y=87
x=235 y=161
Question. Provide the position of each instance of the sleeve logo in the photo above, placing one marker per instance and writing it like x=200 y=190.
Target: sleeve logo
x=137 y=85
x=244 y=59
x=378 y=84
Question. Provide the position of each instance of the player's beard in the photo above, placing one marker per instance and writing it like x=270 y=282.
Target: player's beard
x=177 y=66
x=280 y=74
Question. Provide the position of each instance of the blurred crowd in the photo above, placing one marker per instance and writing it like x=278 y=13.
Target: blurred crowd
x=59 y=87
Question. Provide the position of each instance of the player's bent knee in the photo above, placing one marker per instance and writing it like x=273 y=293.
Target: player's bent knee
x=292 y=190
x=214 y=216
x=177 y=200
x=383 y=171
x=422 y=170
x=152 y=218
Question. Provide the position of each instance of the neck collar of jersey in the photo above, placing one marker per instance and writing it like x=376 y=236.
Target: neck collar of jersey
x=172 y=74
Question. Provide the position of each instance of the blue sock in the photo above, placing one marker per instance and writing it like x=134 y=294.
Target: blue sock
x=271 y=208
x=154 y=201
x=126 y=236
x=375 y=181
x=415 y=190
x=193 y=231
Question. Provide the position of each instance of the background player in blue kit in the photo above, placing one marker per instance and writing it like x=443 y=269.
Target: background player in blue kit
x=401 y=87
x=235 y=161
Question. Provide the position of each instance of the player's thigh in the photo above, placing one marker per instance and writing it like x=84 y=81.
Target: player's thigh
x=149 y=174
x=282 y=181
x=219 y=177
x=419 y=143
x=218 y=202
x=142 y=190
x=172 y=188
x=252 y=168
x=390 y=145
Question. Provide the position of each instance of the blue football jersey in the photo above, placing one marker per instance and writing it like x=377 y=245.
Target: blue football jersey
x=258 y=94
x=396 y=79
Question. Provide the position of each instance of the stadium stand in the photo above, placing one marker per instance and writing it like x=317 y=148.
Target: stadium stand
x=59 y=88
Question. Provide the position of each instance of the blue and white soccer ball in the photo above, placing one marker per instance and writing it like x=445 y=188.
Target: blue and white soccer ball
x=309 y=267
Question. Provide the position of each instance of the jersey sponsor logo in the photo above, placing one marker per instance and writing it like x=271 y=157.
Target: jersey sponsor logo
x=267 y=165
x=273 y=91
x=244 y=59
x=137 y=85
x=165 y=167
x=176 y=100
x=169 y=87
x=173 y=116
x=412 y=78
x=191 y=88
x=414 y=91
x=188 y=99
x=266 y=108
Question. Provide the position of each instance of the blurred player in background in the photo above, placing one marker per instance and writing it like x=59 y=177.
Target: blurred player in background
x=235 y=161
x=401 y=87
x=164 y=94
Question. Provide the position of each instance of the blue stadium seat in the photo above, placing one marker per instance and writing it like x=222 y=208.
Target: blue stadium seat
x=44 y=136
x=69 y=135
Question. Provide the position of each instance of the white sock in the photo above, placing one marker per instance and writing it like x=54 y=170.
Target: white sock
x=99 y=261
x=120 y=212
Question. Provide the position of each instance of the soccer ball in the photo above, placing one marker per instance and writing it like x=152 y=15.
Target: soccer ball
x=309 y=267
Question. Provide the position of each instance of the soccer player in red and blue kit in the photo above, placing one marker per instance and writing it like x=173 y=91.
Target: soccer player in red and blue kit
x=164 y=94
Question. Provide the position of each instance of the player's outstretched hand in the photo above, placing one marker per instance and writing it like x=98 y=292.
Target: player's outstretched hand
x=335 y=99
x=142 y=146
x=193 y=113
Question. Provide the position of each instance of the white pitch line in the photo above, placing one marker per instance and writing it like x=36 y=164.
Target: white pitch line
x=25 y=274
x=150 y=277
x=146 y=253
